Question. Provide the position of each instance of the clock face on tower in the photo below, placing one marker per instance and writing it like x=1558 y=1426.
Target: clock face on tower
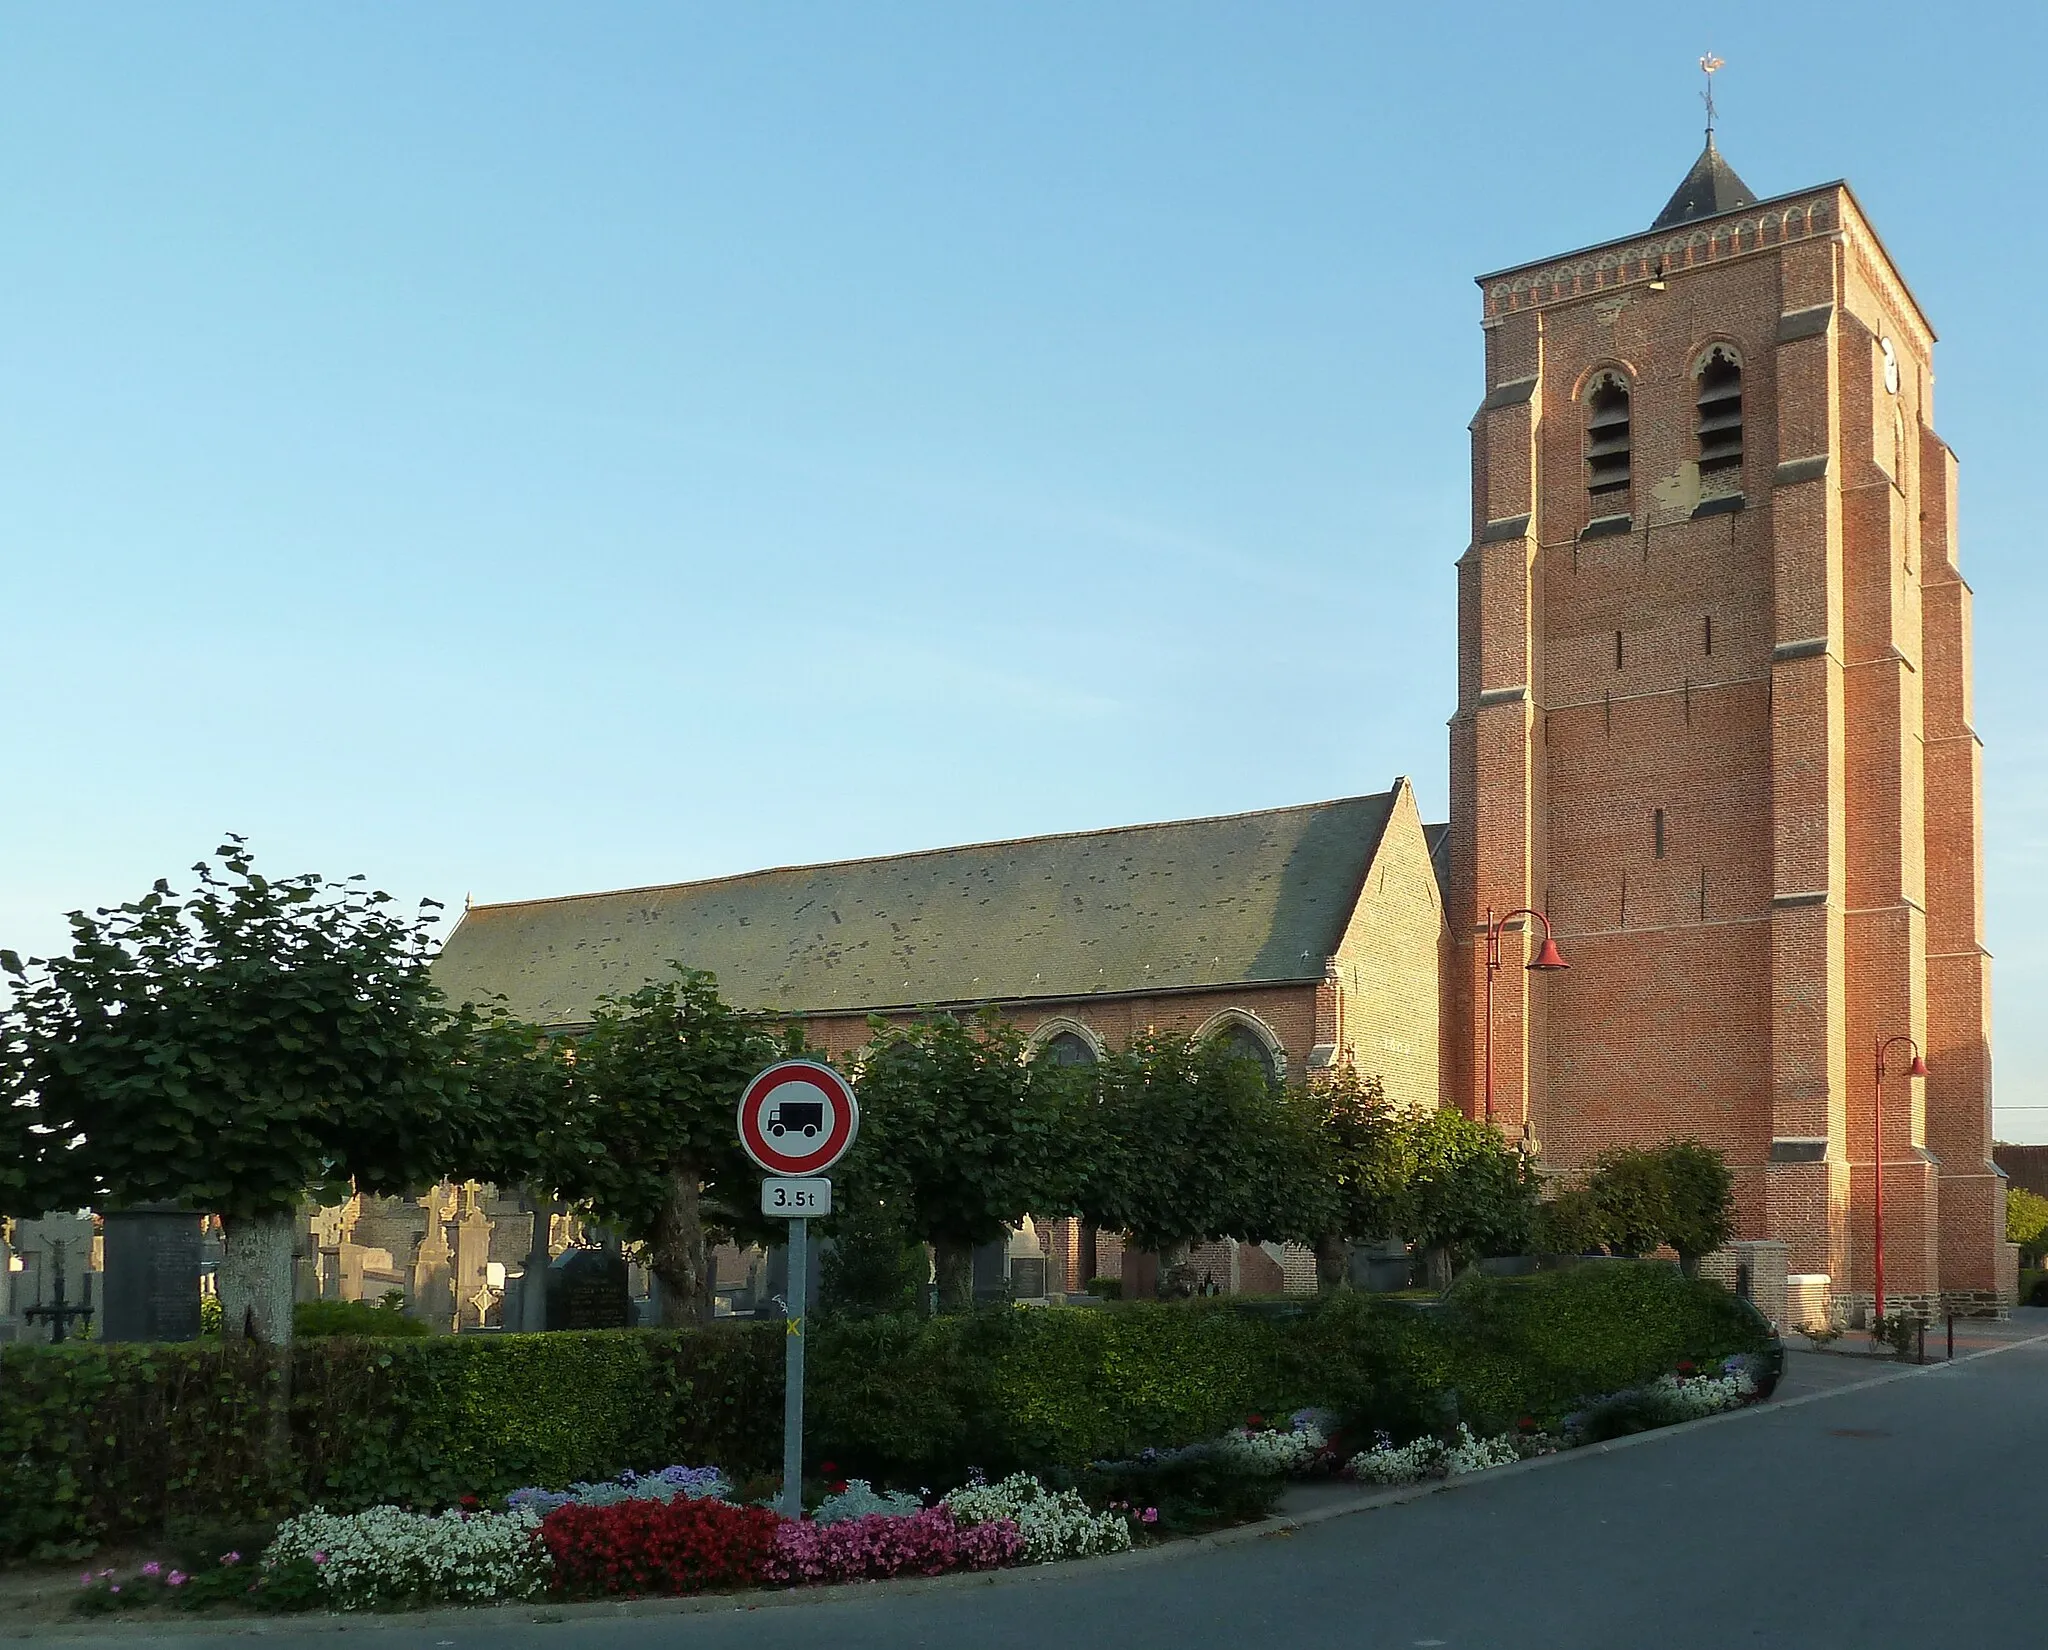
x=1891 y=366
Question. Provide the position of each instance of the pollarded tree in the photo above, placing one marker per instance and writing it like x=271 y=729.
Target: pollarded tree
x=1630 y=1193
x=1469 y=1194
x=1197 y=1143
x=964 y=1137
x=236 y=1049
x=654 y=1150
x=1368 y=1157
x=1699 y=1201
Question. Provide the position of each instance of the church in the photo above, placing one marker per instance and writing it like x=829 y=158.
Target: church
x=1711 y=752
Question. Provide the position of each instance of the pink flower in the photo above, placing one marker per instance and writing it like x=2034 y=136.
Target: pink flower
x=85 y=1578
x=1149 y=1516
x=115 y=1588
x=152 y=1569
x=319 y=1558
x=231 y=1558
x=175 y=1579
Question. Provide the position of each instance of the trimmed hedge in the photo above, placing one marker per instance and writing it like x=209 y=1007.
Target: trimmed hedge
x=107 y=1441
x=928 y=1399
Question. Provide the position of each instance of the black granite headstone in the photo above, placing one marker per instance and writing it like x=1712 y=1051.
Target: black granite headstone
x=991 y=1263
x=587 y=1290
x=152 y=1275
x=1027 y=1277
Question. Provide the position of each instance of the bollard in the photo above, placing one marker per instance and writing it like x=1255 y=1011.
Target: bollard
x=1951 y=1336
x=1921 y=1338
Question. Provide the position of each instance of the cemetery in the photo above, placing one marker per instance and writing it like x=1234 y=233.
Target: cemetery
x=193 y=1408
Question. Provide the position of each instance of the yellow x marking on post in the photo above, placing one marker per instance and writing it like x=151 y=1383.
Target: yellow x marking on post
x=794 y=1326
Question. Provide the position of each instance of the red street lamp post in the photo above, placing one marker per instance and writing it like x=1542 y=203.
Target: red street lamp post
x=1548 y=960
x=1917 y=1069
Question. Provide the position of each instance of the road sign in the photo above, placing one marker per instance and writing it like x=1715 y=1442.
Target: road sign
x=809 y=1199
x=798 y=1118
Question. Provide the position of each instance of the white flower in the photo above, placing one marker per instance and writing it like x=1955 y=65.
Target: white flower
x=1271 y=1451
x=1704 y=1394
x=1054 y=1524
x=388 y=1556
x=1432 y=1458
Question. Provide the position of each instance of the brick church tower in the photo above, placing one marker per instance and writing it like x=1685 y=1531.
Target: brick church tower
x=1714 y=721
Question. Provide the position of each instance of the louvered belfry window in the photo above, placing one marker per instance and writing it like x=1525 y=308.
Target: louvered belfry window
x=1720 y=419
x=1607 y=444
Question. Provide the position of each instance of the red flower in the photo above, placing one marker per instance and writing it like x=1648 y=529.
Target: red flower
x=1255 y=1422
x=1527 y=1423
x=829 y=1469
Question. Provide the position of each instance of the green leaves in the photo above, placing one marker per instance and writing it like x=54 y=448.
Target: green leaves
x=1191 y=1141
x=233 y=1049
x=1680 y=1193
x=960 y=1134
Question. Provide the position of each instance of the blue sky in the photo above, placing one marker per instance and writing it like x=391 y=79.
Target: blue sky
x=516 y=449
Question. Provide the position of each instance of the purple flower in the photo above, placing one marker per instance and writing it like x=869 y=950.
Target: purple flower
x=152 y=1569
x=114 y=1588
x=319 y=1558
x=85 y=1578
x=1149 y=1516
x=231 y=1558
x=175 y=1579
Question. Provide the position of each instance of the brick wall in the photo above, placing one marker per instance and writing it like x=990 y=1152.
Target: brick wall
x=1729 y=753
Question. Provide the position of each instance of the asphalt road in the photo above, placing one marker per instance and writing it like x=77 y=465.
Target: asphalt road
x=1903 y=1514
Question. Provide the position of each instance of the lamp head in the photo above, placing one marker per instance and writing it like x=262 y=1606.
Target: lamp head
x=1548 y=958
x=1919 y=1066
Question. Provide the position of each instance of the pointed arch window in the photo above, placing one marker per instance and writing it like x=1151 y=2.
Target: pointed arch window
x=1607 y=444
x=1718 y=379
x=1069 y=1048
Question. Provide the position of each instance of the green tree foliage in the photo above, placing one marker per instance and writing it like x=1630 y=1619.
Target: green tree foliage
x=1699 y=1200
x=235 y=1049
x=2026 y=1220
x=1469 y=1194
x=1680 y=1194
x=964 y=1137
x=654 y=1148
x=1194 y=1142
x=874 y=1265
x=1631 y=1198
x=1367 y=1157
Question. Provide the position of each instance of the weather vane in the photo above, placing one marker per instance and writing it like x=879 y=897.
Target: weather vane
x=1708 y=65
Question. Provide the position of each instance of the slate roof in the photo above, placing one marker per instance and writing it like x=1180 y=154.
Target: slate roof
x=1242 y=899
x=1709 y=189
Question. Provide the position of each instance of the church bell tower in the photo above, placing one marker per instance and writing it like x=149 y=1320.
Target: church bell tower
x=1714 y=722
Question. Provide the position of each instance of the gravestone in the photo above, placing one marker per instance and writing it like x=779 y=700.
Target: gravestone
x=587 y=1290
x=991 y=1263
x=152 y=1274
x=1027 y=1277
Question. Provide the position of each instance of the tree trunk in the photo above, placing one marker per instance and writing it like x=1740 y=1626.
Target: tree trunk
x=1333 y=1263
x=953 y=1265
x=1688 y=1265
x=255 y=1280
x=1436 y=1264
x=675 y=1252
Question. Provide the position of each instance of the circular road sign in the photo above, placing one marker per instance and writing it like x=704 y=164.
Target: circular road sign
x=798 y=1118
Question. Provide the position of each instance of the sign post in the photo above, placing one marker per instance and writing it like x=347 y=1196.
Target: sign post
x=796 y=1120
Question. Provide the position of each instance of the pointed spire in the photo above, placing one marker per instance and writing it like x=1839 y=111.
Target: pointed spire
x=1709 y=189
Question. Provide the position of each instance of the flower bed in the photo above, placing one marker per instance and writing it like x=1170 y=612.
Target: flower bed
x=648 y=1546
x=1053 y=1523
x=387 y=1557
x=927 y=1542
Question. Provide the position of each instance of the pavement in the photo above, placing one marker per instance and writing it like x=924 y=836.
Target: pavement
x=1868 y=1506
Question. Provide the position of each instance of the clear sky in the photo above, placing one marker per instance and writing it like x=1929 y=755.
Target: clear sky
x=517 y=449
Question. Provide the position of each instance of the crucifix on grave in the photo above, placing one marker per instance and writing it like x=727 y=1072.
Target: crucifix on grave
x=58 y=1313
